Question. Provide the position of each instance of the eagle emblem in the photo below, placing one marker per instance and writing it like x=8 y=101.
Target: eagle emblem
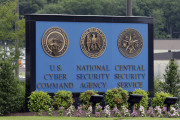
x=55 y=42
x=93 y=42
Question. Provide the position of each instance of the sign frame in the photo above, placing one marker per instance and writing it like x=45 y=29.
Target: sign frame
x=31 y=20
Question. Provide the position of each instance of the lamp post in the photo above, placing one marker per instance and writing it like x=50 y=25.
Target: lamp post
x=128 y=7
x=170 y=101
x=95 y=99
x=134 y=98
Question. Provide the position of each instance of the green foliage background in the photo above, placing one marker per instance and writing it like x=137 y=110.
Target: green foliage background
x=158 y=84
x=166 y=13
x=8 y=22
x=12 y=91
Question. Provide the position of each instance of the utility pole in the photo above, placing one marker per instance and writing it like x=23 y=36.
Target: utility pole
x=128 y=7
x=17 y=43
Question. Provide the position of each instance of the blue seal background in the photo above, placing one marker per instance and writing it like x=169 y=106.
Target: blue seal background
x=74 y=56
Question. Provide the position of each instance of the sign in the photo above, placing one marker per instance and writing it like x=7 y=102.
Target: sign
x=79 y=53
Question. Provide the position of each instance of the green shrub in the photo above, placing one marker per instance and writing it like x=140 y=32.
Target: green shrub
x=144 y=100
x=85 y=97
x=159 y=99
x=116 y=96
x=171 y=78
x=63 y=99
x=158 y=84
x=21 y=96
x=39 y=101
x=12 y=95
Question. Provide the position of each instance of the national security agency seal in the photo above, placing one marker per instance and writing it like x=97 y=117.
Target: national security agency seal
x=130 y=43
x=55 y=42
x=93 y=42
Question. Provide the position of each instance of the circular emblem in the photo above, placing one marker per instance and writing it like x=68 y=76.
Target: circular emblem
x=130 y=43
x=93 y=42
x=55 y=42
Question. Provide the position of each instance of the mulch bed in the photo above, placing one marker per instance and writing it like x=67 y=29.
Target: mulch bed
x=55 y=113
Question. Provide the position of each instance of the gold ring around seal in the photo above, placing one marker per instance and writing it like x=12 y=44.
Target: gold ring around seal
x=55 y=42
x=93 y=42
x=130 y=43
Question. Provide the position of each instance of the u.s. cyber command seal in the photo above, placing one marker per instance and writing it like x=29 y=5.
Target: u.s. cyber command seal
x=93 y=42
x=55 y=42
x=130 y=43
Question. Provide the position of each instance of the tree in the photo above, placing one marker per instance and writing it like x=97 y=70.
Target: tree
x=170 y=8
x=11 y=96
x=166 y=13
x=159 y=23
x=8 y=34
x=114 y=7
x=158 y=84
x=85 y=7
x=30 y=6
x=172 y=81
x=7 y=22
x=52 y=9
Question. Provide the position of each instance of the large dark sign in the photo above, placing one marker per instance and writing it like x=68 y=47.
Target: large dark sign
x=79 y=53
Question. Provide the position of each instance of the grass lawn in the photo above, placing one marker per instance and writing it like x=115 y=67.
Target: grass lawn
x=80 y=118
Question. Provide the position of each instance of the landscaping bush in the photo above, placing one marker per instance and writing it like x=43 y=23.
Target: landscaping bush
x=21 y=96
x=144 y=100
x=158 y=84
x=159 y=99
x=116 y=96
x=39 y=101
x=85 y=97
x=171 y=78
x=172 y=82
x=11 y=93
x=63 y=99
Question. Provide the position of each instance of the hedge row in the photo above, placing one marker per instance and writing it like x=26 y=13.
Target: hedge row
x=113 y=97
